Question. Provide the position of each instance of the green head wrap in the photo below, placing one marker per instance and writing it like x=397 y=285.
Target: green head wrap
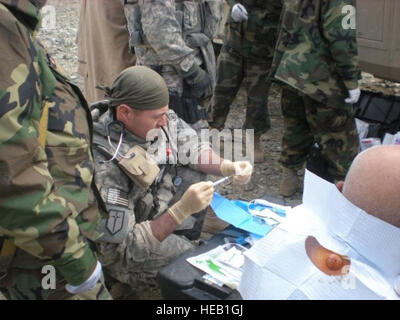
x=140 y=88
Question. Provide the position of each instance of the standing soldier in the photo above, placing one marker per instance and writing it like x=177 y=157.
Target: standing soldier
x=174 y=38
x=48 y=208
x=103 y=50
x=317 y=60
x=246 y=57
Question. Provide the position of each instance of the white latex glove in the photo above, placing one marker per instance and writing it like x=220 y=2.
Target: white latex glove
x=196 y=198
x=239 y=13
x=354 y=95
x=241 y=170
x=89 y=284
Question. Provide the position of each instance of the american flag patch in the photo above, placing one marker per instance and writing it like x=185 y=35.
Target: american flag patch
x=117 y=197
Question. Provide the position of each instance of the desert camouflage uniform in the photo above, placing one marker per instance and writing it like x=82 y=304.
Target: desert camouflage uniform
x=48 y=208
x=170 y=36
x=246 y=58
x=137 y=256
x=316 y=58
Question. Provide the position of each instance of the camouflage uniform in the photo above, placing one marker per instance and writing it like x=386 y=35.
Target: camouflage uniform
x=246 y=56
x=130 y=253
x=170 y=36
x=48 y=208
x=316 y=58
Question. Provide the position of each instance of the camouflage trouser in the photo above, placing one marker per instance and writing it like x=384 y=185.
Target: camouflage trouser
x=139 y=268
x=24 y=282
x=233 y=70
x=307 y=121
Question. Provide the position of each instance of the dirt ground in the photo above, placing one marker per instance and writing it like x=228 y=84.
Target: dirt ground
x=267 y=175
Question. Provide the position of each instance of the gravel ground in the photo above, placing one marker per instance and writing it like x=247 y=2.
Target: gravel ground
x=267 y=175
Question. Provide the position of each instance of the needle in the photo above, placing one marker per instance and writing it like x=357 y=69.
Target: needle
x=220 y=181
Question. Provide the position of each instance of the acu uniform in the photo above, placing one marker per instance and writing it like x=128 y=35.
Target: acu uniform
x=247 y=55
x=317 y=60
x=130 y=252
x=170 y=36
x=48 y=207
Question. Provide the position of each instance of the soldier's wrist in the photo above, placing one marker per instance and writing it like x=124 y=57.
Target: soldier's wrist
x=177 y=213
x=231 y=3
x=174 y=216
x=351 y=84
x=76 y=270
x=89 y=283
x=191 y=73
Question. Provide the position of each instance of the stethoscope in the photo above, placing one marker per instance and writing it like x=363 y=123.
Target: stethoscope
x=176 y=180
x=121 y=138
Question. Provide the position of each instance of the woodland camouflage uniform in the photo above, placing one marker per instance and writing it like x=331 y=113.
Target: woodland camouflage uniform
x=245 y=59
x=48 y=208
x=317 y=60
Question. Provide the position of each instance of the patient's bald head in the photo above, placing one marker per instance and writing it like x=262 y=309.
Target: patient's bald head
x=373 y=183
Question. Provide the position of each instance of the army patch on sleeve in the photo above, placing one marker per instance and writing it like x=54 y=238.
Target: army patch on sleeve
x=117 y=197
x=115 y=221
